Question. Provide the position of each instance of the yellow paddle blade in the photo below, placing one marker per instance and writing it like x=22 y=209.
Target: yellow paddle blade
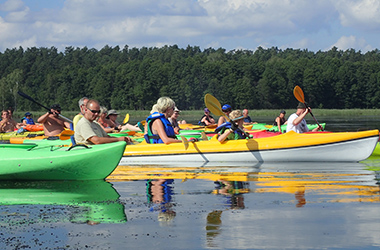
x=126 y=119
x=204 y=136
x=298 y=94
x=66 y=134
x=185 y=142
x=214 y=105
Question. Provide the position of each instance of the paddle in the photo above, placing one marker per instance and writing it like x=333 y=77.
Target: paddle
x=66 y=134
x=126 y=119
x=32 y=100
x=214 y=106
x=298 y=94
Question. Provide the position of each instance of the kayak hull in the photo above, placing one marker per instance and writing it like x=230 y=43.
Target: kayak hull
x=30 y=134
x=289 y=147
x=44 y=162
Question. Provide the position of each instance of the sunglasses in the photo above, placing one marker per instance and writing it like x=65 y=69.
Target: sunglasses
x=94 y=111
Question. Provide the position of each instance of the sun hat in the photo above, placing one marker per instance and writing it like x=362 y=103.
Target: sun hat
x=28 y=113
x=112 y=112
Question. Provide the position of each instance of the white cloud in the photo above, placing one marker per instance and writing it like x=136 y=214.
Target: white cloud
x=348 y=42
x=364 y=14
x=12 y=5
x=204 y=23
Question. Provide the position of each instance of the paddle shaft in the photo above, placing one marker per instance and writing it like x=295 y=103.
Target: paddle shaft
x=32 y=100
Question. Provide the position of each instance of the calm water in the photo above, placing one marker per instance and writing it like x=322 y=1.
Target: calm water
x=187 y=206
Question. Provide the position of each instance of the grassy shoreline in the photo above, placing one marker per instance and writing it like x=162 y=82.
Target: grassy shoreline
x=137 y=115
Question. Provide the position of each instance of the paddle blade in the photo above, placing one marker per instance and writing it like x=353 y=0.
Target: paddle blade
x=66 y=134
x=126 y=119
x=204 y=136
x=298 y=94
x=213 y=105
x=185 y=142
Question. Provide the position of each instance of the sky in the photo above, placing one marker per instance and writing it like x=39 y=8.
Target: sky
x=230 y=24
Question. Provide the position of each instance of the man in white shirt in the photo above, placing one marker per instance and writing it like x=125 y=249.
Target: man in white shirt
x=89 y=132
x=297 y=122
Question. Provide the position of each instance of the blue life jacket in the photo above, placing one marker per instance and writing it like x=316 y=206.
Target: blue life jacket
x=154 y=138
x=227 y=125
x=28 y=121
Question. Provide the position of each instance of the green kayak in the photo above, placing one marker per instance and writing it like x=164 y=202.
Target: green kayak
x=264 y=126
x=46 y=162
x=93 y=201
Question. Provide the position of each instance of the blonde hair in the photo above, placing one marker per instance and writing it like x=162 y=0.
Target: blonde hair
x=235 y=114
x=163 y=103
x=103 y=110
x=154 y=109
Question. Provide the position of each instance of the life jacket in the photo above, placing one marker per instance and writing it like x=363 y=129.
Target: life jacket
x=227 y=125
x=28 y=121
x=154 y=138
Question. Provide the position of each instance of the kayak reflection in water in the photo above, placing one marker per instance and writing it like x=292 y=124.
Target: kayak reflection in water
x=159 y=194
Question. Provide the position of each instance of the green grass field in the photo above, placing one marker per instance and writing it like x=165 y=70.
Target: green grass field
x=193 y=115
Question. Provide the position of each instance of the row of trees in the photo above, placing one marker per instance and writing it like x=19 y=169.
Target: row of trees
x=132 y=78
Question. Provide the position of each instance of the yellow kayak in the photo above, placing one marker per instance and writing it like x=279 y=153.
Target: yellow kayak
x=289 y=147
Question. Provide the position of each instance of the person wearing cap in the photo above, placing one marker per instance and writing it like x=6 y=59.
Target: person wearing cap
x=280 y=120
x=52 y=123
x=7 y=124
x=297 y=122
x=27 y=119
x=235 y=131
x=89 y=132
x=159 y=128
x=116 y=126
x=112 y=116
x=206 y=119
x=226 y=108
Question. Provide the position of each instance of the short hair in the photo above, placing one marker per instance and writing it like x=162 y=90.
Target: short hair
x=81 y=101
x=236 y=114
x=163 y=103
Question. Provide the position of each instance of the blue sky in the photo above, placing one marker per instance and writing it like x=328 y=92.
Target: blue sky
x=230 y=24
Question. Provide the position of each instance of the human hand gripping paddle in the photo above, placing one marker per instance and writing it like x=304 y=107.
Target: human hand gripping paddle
x=32 y=100
x=298 y=94
x=214 y=106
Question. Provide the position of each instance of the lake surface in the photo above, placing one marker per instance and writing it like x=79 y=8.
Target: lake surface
x=208 y=206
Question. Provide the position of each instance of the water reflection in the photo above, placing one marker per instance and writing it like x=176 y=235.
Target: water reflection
x=343 y=182
x=159 y=194
x=90 y=202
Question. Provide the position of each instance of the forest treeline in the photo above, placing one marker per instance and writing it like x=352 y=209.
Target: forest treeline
x=134 y=78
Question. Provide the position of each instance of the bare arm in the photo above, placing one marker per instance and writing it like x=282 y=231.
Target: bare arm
x=300 y=117
x=278 y=124
x=159 y=127
x=109 y=139
x=42 y=118
x=223 y=137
